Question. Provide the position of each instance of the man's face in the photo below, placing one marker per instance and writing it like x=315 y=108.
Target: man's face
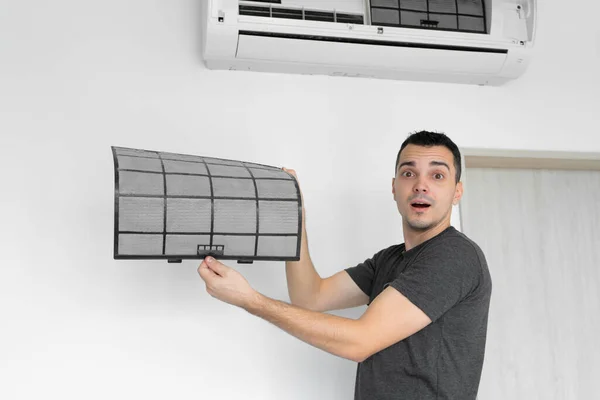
x=425 y=186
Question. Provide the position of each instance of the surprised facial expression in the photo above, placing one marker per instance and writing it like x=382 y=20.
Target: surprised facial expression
x=425 y=187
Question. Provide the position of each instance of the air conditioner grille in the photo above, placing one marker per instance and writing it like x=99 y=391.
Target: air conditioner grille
x=449 y=15
x=268 y=11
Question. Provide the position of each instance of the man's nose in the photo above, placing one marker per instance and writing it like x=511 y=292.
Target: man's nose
x=420 y=186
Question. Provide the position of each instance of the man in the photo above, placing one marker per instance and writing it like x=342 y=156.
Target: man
x=423 y=334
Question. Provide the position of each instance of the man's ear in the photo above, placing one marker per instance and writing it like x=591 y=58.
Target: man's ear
x=394 y=187
x=458 y=193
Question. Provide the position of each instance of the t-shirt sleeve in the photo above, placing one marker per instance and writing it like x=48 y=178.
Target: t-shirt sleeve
x=440 y=277
x=363 y=274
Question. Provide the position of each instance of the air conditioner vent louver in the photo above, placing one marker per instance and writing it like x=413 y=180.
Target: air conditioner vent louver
x=268 y=11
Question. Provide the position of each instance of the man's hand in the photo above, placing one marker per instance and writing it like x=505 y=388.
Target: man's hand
x=226 y=284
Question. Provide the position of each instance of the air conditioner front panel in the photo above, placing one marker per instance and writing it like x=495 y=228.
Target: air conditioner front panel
x=409 y=57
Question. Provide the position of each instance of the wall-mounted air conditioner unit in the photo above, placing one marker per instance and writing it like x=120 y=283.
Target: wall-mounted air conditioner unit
x=486 y=42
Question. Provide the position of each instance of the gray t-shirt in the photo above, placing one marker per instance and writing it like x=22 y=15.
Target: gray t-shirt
x=448 y=279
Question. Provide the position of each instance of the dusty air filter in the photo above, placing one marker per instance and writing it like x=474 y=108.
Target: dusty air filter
x=176 y=206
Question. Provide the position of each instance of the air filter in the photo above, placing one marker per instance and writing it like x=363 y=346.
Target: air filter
x=177 y=206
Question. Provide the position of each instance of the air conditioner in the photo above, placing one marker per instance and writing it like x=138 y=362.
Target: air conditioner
x=485 y=42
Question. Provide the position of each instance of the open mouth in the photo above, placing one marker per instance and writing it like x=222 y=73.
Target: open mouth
x=420 y=206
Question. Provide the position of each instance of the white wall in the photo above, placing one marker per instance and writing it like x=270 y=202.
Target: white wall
x=79 y=76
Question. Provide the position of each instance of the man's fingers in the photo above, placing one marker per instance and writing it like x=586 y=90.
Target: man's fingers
x=216 y=266
x=291 y=171
x=205 y=272
x=211 y=268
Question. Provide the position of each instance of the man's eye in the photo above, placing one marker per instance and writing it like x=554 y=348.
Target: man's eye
x=407 y=174
x=438 y=176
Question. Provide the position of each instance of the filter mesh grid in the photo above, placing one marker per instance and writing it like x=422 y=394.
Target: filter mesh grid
x=141 y=183
x=141 y=214
x=451 y=15
x=185 y=167
x=237 y=216
x=188 y=185
x=185 y=244
x=178 y=206
x=278 y=217
x=188 y=215
x=231 y=187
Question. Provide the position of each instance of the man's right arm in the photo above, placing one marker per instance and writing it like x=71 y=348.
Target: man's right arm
x=308 y=290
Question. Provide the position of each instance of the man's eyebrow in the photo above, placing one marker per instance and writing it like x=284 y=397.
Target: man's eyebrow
x=440 y=163
x=432 y=163
x=409 y=163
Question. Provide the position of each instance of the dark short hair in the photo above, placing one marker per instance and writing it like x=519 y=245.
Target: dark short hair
x=430 y=139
